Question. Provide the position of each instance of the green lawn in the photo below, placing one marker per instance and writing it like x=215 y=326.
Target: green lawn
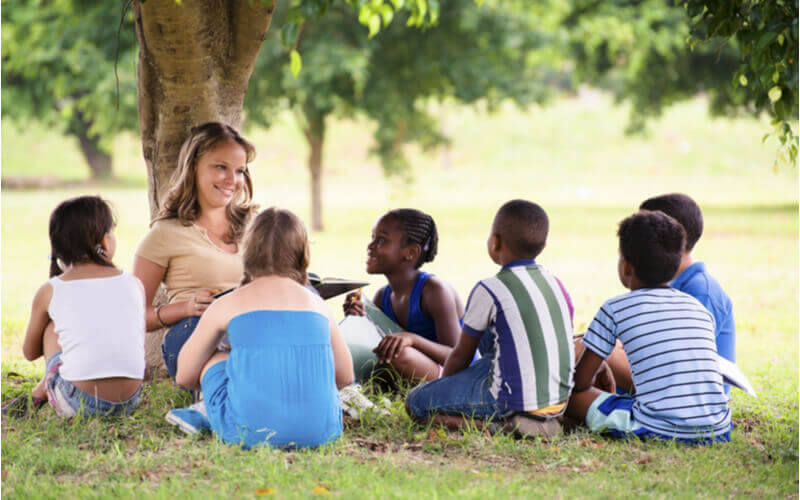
x=573 y=159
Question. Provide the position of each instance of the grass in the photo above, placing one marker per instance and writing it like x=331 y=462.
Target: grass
x=572 y=158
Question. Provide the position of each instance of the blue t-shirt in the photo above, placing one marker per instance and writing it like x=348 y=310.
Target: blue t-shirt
x=279 y=384
x=696 y=281
x=668 y=337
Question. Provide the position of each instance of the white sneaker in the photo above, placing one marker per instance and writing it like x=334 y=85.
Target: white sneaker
x=354 y=403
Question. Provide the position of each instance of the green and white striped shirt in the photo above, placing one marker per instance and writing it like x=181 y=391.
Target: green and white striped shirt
x=529 y=314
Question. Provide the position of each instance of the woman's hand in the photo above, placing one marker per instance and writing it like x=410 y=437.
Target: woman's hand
x=391 y=345
x=199 y=303
x=353 y=306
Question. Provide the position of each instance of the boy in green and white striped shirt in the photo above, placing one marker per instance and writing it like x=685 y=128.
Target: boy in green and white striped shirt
x=524 y=316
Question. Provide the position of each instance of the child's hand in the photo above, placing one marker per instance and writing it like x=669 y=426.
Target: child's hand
x=391 y=345
x=352 y=304
x=199 y=303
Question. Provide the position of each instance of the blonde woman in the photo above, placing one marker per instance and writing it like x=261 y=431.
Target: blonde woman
x=193 y=247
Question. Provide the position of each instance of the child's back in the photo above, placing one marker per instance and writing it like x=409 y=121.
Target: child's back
x=668 y=337
x=528 y=313
x=278 y=384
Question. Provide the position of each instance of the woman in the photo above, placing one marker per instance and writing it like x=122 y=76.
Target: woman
x=193 y=247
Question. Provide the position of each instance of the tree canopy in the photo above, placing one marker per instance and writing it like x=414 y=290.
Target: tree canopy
x=655 y=52
x=470 y=54
x=60 y=67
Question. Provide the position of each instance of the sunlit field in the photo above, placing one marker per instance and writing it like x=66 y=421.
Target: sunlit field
x=571 y=157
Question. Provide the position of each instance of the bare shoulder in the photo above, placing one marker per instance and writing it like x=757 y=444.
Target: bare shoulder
x=437 y=293
x=43 y=295
x=438 y=287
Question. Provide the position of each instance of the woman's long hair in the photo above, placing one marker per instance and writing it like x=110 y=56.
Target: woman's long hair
x=181 y=202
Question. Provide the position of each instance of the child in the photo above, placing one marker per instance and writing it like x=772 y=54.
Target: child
x=529 y=314
x=423 y=304
x=669 y=339
x=87 y=320
x=692 y=277
x=278 y=384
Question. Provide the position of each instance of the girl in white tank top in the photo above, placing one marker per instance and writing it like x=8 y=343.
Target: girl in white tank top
x=87 y=320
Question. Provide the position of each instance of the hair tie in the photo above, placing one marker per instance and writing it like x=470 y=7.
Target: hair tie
x=100 y=251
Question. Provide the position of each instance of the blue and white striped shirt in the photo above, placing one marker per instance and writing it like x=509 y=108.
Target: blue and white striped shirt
x=668 y=337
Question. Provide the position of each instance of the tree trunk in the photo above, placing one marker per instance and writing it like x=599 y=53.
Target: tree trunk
x=195 y=60
x=99 y=161
x=315 y=135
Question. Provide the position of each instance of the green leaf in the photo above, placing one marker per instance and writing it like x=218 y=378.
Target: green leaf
x=780 y=39
x=743 y=80
x=374 y=25
x=387 y=13
x=295 y=63
x=775 y=93
x=776 y=77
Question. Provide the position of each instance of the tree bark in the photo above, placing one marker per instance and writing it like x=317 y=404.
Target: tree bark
x=99 y=161
x=195 y=61
x=315 y=135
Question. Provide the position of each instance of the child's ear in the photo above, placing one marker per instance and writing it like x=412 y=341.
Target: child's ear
x=495 y=242
x=411 y=253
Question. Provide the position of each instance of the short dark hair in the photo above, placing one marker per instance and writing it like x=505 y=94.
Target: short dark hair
x=681 y=208
x=418 y=228
x=523 y=226
x=276 y=243
x=77 y=226
x=652 y=242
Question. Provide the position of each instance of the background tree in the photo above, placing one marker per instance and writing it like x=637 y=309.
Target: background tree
x=652 y=53
x=59 y=68
x=196 y=58
x=471 y=54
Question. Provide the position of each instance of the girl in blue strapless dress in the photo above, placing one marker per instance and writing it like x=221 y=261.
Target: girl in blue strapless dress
x=279 y=383
x=427 y=307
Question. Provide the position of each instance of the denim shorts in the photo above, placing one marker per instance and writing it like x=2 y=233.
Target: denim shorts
x=464 y=393
x=69 y=400
x=174 y=339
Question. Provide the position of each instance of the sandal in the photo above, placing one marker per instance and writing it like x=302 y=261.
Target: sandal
x=21 y=405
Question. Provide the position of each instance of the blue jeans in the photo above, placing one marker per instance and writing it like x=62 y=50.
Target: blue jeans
x=69 y=400
x=465 y=393
x=177 y=335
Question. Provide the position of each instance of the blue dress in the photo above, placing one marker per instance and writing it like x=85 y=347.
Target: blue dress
x=278 y=385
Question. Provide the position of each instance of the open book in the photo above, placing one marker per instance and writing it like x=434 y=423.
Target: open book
x=731 y=374
x=331 y=287
x=363 y=333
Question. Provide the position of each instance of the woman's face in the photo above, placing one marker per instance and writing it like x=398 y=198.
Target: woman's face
x=220 y=175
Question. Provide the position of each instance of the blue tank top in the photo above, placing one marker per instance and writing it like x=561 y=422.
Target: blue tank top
x=418 y=322
x=281 y=381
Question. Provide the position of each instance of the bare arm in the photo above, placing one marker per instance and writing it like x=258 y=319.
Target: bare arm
x=32 y=346
x=199 y=348
x=585 y=370
x=461 y=356
x=342 y=361
x=151 y=275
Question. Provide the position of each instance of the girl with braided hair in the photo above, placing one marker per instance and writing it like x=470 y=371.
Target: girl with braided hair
x=424 y=305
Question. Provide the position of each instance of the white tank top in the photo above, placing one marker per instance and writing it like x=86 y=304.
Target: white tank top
x=100 y=326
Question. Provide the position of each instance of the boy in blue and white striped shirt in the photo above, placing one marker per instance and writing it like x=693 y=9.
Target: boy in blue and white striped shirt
x=668 y=337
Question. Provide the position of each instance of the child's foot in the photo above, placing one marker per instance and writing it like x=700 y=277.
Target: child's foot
x=21 y=405
x=191 y=420
x=354 y=403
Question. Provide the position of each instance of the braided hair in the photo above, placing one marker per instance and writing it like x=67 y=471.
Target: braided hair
x=418 y=229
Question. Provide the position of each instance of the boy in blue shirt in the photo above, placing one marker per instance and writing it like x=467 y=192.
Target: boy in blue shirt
x=668 y=337
x=525 y=376
x=692 y=276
